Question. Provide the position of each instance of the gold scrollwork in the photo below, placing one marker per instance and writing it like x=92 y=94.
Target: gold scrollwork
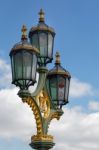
x=35 y=110
x=42 y=138
x=55 y=115
x=44 y=103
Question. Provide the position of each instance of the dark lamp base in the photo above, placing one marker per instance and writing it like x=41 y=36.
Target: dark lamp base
x=42 y=145
x=24 y=94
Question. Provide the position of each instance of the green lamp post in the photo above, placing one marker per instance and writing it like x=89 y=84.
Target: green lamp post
x=53 y=85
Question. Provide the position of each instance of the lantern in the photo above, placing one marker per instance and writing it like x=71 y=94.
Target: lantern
x=58 y=81
x=42 y=37
x=23 y=62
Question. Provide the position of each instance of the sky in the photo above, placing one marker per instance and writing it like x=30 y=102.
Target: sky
x=76 y=23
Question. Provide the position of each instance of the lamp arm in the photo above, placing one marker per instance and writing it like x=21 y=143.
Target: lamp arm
x=54 y=114
x=41 y=82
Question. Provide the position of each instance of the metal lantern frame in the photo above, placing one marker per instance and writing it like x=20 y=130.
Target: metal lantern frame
x=40 y=101
x=58 y=81
x=61 y=91
x=42 y=37
x=23 y=50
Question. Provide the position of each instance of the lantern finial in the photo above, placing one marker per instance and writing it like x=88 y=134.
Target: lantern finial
x=41 y=14
x=57 y=62
x=24 y=35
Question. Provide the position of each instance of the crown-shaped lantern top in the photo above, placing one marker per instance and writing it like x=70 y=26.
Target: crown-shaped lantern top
x=57 y=61
x=58 y=69
x=23 y=44
x=24 y=33
x=42 y=26
x=41 y=14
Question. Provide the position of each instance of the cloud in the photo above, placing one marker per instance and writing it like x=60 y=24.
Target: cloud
x=16 y=118
x=76 y=129
x=93 y=105
x=5 y=74
x=79 y=89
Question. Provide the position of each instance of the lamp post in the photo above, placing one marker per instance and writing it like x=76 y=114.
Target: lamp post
x=53 y=85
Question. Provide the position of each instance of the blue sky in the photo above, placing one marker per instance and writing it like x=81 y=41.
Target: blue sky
x=77 y=31
x=76 y=23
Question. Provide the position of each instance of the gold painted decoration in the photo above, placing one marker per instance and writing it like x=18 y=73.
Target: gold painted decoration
x=42 y=138
x=24 y=34
x=44 y=103
x=55 y=115
x=36 y=112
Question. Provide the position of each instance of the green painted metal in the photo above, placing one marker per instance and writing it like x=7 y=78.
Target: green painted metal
x=42 y=145
x=41 y=82
x=24 y=94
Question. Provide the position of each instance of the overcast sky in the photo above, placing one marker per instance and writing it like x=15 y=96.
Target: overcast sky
x=76 y=23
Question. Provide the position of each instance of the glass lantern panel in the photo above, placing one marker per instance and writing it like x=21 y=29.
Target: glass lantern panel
x=34 y=66
x=50 y=45
x=43 y=38
x=18 y=65
x=13 y=69
x=27 y=64
x=53 y=88
x=35 y=40
x=67 y=89
x=61 y=89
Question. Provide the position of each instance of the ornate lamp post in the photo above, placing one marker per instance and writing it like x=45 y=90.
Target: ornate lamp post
x=53 y=86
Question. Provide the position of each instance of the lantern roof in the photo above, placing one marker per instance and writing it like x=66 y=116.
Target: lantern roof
x=58 y=69
x=24 y=44
x=41 y=25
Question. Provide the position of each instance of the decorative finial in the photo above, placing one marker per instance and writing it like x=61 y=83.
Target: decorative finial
x=24 y=35
x=57 y=62
x=41 y=14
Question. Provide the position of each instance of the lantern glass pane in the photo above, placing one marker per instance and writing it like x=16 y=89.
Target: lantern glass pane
x=67 y=89
x=43 y=44
x=12 y=65
x=27 y=64
x=18 y=65
x=61 y=89
x=34 y=65
x=35 y=40
x=53 y=88
x=50 y=45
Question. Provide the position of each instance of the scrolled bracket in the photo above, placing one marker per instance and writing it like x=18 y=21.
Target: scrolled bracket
x=54 y=114
x=43 y=109
x=31 y=102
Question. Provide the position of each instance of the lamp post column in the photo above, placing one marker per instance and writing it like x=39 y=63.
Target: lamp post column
x=52 y=90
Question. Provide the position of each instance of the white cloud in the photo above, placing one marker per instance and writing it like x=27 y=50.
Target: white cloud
x=16 y=118
x=93 y=105
x=76 y=130
x=80 y=89
x=5 y=74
